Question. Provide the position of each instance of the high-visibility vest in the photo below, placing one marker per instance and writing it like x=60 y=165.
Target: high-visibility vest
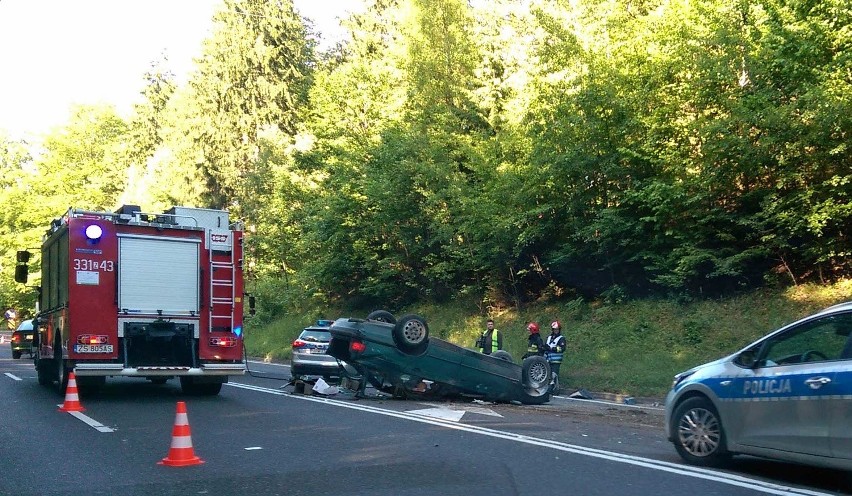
x=555 y=356
x=494 y=343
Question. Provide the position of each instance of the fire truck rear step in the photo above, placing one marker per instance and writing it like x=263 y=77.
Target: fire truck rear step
x=117 y=369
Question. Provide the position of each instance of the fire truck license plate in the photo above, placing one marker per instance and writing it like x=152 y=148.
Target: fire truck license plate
x=93 y=348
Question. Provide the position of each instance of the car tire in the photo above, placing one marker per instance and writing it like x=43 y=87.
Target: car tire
x=699 y=435
x=411 y=334
x=209 y=389
x=382 y=316
x=503 y=355
x=60 y=367
x=90 y=385
x=192 y=388
x=16 y=354
x=43 y=372
x=535 y=378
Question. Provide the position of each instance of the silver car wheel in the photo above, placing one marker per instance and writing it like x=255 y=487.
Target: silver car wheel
x=699 y=432
x=411 y=334
x=538 y=373
x=413 y=331
x=535 y=380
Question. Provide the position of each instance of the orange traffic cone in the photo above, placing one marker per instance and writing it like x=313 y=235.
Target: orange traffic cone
x=72 y=399
x=181 y=453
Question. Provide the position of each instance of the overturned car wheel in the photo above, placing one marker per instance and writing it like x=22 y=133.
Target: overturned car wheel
x=382 y=316
x=503 y=355
x=411 y=334
x=535 y=379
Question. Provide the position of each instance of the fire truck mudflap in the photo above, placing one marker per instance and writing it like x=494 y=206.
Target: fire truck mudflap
x=128 y=293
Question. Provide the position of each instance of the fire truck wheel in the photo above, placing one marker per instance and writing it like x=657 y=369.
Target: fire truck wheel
x=190 y=387
x=61 y=375
x=211 y=389
x=90 y=385
x=43 y=372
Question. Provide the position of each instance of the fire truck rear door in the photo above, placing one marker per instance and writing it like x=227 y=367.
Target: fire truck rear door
x=158 y=274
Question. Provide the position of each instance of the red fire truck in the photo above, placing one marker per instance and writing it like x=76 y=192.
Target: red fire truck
x=128 y=293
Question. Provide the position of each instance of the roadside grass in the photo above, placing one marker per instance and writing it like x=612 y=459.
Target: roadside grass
x=632 y=348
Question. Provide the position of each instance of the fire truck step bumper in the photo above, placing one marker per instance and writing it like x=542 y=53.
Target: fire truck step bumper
x=117 y=369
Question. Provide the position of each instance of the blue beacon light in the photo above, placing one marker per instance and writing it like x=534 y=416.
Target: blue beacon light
x=94 y=232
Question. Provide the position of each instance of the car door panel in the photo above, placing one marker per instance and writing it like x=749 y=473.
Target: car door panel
x=841 y=414
x=781 y=410
x=789 y=402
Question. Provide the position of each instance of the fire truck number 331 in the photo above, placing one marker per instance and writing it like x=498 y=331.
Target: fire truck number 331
x=94 y=265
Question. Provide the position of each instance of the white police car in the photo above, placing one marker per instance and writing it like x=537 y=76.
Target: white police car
x=786 y=396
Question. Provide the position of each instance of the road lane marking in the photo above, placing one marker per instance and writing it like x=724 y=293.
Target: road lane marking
x=456 y=412
x=90 y=421
x=674 y=468
x=439 y=413
x=12 y=376
x=609 y=403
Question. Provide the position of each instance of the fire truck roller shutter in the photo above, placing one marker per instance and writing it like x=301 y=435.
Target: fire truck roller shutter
x=158 y=274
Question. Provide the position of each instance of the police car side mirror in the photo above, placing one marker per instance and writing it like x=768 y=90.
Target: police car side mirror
x=747 y=359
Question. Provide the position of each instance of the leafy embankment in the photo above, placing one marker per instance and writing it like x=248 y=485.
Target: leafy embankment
x=631 y=348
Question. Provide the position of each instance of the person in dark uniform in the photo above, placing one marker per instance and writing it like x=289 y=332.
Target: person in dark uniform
x=535 y=345
x=555 y=347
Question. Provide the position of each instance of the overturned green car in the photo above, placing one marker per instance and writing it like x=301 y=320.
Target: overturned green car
x=400 y=358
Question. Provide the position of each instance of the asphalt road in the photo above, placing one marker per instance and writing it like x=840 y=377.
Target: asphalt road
x=259 y=438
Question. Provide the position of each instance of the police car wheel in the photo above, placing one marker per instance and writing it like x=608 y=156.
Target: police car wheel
x=699 y=435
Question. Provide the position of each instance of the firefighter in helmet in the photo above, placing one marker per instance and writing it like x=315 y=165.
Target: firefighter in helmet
x=555 y=347
x=535 y=345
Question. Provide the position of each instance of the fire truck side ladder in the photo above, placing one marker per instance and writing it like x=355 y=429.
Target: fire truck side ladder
x=222 y=277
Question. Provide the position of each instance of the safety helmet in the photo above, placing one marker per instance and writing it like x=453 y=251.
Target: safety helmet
x=532 y=327
x=555 y=325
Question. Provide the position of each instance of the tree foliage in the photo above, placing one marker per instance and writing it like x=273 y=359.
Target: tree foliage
x=507 y=149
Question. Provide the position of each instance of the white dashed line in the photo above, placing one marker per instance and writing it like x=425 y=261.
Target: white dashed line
x=91 y=422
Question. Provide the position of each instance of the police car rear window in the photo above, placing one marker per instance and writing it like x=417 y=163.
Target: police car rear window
x=315 y=336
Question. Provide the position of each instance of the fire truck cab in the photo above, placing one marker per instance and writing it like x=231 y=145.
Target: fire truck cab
x=128 y=293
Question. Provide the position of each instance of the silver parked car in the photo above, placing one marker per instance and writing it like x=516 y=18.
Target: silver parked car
x=310 y=359
x=787 y=396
